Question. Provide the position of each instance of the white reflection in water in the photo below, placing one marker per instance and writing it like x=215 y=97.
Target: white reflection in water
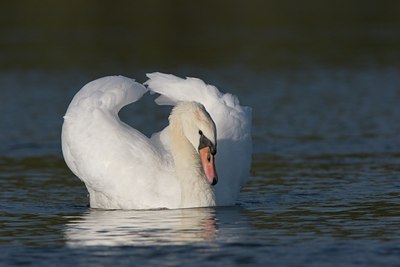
x=150 y=227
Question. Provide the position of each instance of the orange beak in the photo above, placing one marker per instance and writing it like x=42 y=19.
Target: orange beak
x=207 y=160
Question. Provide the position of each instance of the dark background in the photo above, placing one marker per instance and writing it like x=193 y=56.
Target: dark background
x=168 y=35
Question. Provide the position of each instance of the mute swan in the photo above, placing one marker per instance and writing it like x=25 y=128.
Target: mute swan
x=124 y=169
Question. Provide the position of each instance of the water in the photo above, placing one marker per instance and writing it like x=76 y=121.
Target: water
x=324 y=83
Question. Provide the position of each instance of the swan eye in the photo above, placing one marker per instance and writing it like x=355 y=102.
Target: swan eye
x=200 y=132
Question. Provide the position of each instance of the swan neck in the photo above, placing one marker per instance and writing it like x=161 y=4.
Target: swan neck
x=195 y=191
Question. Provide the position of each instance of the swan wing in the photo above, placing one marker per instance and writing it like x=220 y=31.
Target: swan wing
x=120 y=167
x=232 y=120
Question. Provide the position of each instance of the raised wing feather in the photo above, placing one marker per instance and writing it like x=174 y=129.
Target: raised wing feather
x=116 y=162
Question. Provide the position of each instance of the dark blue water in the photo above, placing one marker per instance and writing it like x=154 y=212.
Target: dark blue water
x=324 y=83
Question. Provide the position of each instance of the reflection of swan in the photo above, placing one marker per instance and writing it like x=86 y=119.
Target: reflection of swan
x=123 y=169
x=150 y=227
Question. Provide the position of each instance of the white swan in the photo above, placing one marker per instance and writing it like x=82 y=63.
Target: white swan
x=123 y=169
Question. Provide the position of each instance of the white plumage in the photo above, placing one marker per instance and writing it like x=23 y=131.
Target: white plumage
x=124 y=169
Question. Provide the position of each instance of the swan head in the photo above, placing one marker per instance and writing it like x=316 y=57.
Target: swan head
x=199 y=128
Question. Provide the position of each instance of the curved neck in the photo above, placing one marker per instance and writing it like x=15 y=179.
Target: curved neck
x=195 y=191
